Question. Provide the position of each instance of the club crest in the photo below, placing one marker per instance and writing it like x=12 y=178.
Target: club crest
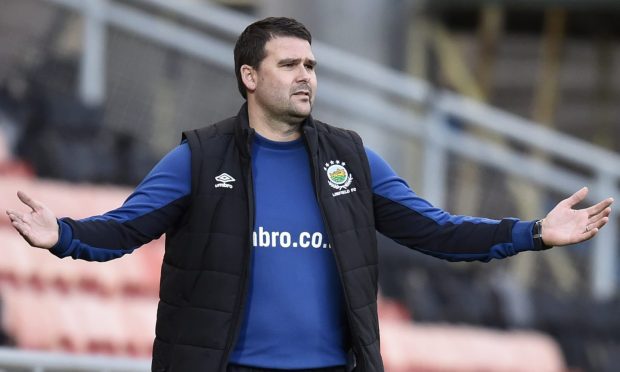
x=337 y=175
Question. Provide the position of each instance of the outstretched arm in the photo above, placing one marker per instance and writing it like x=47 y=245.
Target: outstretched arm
x=150 y=211
x=564 y=225
x=405 y=217
x=38 y=226
x=412 y=221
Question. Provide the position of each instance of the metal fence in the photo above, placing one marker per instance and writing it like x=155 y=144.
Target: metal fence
x=13 y=360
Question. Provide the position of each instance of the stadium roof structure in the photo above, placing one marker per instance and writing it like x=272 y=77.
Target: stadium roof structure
x=531 y=4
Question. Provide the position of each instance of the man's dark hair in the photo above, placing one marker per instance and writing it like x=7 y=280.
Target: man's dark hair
x=250 y=46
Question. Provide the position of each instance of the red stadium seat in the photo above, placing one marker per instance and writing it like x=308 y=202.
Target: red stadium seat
x=65 y=199
x=16 y=265
x=413 y=347
x=28 y=317
x=73 y=305
x=139 y=321
x=78 y=321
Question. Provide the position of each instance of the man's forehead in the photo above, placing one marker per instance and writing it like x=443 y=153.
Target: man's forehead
x=282 y=47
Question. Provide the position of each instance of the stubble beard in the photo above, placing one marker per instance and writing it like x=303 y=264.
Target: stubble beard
x=287 y=109
x=300 y=113
x=294 y=109
x=292 y=114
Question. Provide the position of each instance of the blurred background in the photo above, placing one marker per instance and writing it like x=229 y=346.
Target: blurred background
x=489 y=108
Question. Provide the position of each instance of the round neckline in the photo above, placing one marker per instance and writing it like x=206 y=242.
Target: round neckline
x=277 y=145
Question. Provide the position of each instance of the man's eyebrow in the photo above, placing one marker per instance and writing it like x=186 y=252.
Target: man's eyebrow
x=295 y=61
x=287 y=61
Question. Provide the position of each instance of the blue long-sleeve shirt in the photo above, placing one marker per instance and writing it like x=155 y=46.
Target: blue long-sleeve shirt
x=294 y=315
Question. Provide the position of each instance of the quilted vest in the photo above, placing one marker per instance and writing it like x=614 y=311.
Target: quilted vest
x=205 y=271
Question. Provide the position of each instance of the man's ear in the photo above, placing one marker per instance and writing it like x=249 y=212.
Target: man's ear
x=248 y=76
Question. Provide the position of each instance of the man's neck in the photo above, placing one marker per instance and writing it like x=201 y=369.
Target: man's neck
x=274 y=130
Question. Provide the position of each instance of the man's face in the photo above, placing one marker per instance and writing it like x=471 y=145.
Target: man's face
x=286 y=80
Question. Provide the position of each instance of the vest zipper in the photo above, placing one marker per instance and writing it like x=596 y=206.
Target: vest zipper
x=246 y=265
x=354 y=342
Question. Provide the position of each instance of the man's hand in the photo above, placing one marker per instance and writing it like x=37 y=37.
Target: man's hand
x=39 y=226
x=565 y=225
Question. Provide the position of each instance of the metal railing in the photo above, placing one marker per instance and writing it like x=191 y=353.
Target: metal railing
x=38 y=361
x=372 y=104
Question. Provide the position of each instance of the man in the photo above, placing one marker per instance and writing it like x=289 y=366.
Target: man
x=270 y=216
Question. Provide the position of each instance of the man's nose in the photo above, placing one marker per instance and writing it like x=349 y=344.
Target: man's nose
x=303 y=74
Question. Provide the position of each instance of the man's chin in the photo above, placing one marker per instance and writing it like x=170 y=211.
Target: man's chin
x=304 y=111
x=303 y=115
x=300 y=114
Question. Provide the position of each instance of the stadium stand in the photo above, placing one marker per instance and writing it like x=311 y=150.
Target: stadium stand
x=417 y=347
x=89 y=307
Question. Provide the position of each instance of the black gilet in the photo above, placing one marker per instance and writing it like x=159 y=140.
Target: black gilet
x=205 y=271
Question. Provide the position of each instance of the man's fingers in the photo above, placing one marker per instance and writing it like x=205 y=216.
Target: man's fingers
x=577 y=197
x=20 y=226
x=604 y=213
x=600 y=206
x=36 y=206
x=23 y=230
x=593 y=228
x=590 y=234
x=14 y=216
x=602 y=222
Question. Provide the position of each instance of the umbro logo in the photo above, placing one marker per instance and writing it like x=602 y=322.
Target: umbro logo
x=224 y=180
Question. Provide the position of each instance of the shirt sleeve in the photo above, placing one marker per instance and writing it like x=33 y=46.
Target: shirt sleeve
x=152 y=209
x=405 y=217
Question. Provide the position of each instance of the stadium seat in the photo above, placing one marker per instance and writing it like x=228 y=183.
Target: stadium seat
x=137 y=273
x=65 y=199
x=139 y=321
x=89 y=307
x=28 y=317
x=15 y=265
x=430 y=348
x=78 y=321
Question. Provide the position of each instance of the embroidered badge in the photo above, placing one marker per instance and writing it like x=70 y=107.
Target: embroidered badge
x=338 y=177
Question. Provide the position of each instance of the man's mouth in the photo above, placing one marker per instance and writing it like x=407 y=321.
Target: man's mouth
x=302 y=93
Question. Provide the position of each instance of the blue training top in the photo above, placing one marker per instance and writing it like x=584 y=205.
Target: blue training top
x=294 y=316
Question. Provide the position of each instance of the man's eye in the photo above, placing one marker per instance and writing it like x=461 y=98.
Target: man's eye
x=310 y=67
